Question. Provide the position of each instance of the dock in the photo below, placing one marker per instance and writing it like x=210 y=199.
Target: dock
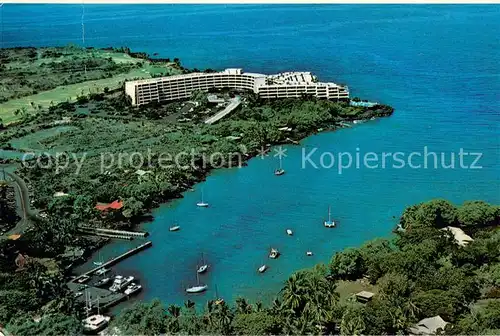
x=117 y=259
x=109 y=233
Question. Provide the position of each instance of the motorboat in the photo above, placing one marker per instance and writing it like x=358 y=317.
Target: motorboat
x=102 y=271
x=132 y=288
x=120 y=283
x=83 y=279
x=309 y=253
x=274 y=253
x=95 y=323
x=102 y=282
x=329 y=223
x=262 y=268
x=174 y=228
x=289 y=232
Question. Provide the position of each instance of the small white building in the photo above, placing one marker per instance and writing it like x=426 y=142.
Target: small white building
x=429 y=326
x=461 y=237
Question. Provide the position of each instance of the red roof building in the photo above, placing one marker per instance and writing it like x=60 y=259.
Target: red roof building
x=116 y=205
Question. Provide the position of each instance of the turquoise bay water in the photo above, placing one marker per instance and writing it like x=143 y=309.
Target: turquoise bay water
x=437 y=65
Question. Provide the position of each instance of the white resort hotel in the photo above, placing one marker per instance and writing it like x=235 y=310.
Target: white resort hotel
x=283 y=85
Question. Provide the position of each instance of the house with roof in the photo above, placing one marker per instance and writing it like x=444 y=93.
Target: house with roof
x=429 y=326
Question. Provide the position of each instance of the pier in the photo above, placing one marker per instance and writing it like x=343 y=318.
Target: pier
x=117 y=259
x=109 y=233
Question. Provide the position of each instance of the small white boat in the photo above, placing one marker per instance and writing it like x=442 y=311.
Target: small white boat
x=99 y=262
x=202 y=204
x=329 y=223
x=83 y=279
x=204 y=266
x=174 y=228
x=133 y=288
x=274 y=253
x=280 y=170
x=309 y=253
x=95 y=323
x=262 y=268
x=289 y=232
x=102 y=271
x=102 y=282
x=120 y=283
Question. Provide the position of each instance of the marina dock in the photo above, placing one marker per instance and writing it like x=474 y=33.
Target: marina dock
x=117 y=259
x=109 y=233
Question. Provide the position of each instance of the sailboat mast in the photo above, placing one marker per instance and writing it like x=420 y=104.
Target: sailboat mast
x=329 y=214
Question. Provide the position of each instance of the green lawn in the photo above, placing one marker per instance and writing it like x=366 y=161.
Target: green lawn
x=70 y=92
x=17 y=60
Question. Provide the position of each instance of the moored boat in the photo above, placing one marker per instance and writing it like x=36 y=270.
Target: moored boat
x=202 y=203
x=280 y=170
x=203 y=268
x=262 y=268
x=274 y=253
x=289 y=232
x=132 y=288
x=95 y=323
x=198 y=288
x=120 y=283
x=174 y=228
x=102 y=282
x=83 y=279
x=102 y=271
x=309 y=253
x=329 y=223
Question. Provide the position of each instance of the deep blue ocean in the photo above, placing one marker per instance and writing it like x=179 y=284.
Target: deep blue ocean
x=438 y=66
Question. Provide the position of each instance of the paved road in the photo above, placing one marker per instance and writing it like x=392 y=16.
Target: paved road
x=235 y=102
x=23 y=204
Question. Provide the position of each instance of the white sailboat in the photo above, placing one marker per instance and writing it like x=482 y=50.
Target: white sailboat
x=262 y=268
x=329 y=223
x=203 y=268
x=280 y=170
x=99 y=261
x=174 y=228
x=202 y=203
x=198 y=288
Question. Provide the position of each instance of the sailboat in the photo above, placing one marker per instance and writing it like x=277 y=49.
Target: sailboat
x=198 y=288
x=100 y=261
x=203 y=268
x=218 y=300
x=329 y=223
x=202 y=204
x=262 y=268
x=280 y=170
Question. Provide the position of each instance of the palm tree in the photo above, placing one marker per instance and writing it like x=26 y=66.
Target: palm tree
x=190 y=305
x=174 y=310
x=242 y=306
x=294 y=292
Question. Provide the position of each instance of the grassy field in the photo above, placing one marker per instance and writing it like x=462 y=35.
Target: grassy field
x=33 y=69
